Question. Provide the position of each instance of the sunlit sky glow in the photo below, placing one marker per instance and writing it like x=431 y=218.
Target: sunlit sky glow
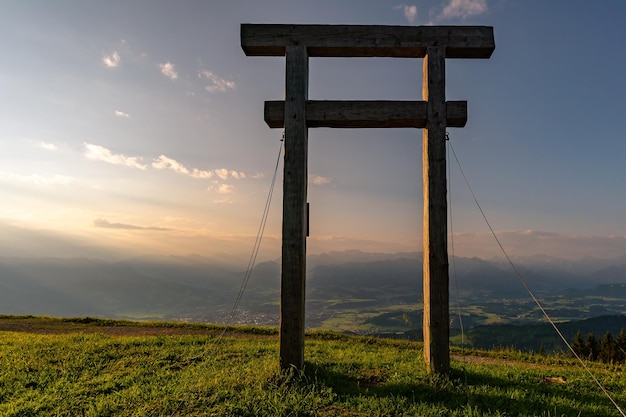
x=137 y=127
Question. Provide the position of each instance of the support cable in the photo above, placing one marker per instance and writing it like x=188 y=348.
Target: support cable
x=532 y=295
x=253 y=255
x=247 y=275
x=256 y=246
x=454 y=273
x=259 y=237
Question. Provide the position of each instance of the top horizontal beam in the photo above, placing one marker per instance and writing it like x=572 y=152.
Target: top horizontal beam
x=368 y=40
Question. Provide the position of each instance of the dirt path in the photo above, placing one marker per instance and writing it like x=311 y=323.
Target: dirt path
x=64 y=327
x=40 y=325
x=58 y=326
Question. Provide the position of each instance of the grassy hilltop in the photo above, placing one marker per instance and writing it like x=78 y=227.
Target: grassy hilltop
x=88 y=367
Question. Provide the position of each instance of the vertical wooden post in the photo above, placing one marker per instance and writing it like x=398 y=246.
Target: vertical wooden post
x=297 y=42
x=436 y=292
x=293 y=272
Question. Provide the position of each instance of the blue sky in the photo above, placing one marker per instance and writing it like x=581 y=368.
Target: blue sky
x=137 y=127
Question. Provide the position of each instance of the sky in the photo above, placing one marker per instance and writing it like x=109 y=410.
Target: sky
x=130 y=128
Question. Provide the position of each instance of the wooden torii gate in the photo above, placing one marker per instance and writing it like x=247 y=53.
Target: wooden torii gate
x=296 y=114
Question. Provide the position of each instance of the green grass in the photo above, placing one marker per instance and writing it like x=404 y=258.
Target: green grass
x=96 y=374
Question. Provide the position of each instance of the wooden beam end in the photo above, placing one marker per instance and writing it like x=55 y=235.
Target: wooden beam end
x=274 y=114
x=456 y=113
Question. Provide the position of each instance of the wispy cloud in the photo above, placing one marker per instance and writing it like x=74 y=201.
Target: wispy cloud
x=111 y=61
x=216 y=84
x=534 y=242
x=227 y=174
x=225 y=200
x=100 y=153
x=224 y=192
x=47 y=146
x=35 y=178
x=464 y=9
x=221 y=188
x=222 y=173
x=201 y=174
x=409 y=11
x=168 y=70
x=163 y=162
x=319 y=180
x=104 y=223
x=119 y=113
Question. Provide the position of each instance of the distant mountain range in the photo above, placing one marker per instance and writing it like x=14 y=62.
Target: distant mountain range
x=194 y=288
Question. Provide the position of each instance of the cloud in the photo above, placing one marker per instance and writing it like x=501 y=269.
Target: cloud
x=104 y=223
x=35 y=178
x=319 y=180
x=111 y=61
x=410 y=12
x=168 y=70
x=227 y=174
x=122 y=114
x=221 y=188
x=100 y=153
x=163 y=162
x=222 y=173
x=47 y=146
x=526 y=243
x=201 y=174
x=464 y=9
x=216 y=84
x=224 y=190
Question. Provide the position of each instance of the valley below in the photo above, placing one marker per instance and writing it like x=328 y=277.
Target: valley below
x=352 y=292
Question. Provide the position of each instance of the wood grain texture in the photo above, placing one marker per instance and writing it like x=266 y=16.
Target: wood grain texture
x=368 y=40
x=434 y=114
x=436 y=292
x=366 y=114
x=293 y=270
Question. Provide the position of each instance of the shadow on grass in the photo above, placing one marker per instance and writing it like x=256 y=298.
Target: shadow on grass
x=478 y=392
x=532 y=395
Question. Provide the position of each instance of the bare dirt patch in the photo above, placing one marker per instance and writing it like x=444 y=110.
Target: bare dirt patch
x=44 y=325
x=58 y=327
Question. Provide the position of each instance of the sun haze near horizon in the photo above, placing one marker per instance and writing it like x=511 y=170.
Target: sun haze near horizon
x=138 y=128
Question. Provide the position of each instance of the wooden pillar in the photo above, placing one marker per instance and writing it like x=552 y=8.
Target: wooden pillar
x=434 y=44
x=436 y=292
x=293 y=272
